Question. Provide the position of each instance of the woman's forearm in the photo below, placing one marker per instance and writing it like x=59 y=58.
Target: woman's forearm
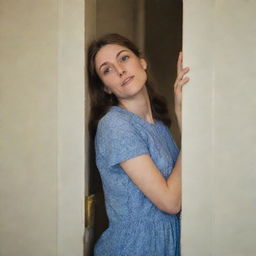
x=174 y=185
x=179 y=119
x=174 y=180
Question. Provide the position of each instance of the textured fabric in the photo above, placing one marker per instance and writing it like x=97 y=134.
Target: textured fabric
x=136 y=226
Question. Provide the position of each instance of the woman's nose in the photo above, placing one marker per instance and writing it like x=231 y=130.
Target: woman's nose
x=120 y=70
x=121 y=73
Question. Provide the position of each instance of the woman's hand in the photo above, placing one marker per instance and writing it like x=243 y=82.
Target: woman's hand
x=180 y=81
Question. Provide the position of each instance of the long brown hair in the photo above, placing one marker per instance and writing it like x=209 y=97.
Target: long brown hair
x=101 y=101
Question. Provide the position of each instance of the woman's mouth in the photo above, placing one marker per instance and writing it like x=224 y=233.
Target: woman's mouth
x=127 y=80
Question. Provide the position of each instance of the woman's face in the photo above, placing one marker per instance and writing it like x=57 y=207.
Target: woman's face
x=120 y=70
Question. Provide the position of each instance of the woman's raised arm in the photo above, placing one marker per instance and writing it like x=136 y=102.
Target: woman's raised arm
x=178 y=85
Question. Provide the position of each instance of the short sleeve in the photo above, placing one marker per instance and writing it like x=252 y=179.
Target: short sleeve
x=117 y=140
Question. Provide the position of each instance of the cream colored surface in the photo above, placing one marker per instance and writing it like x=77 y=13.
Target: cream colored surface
x=219 y=178
x=71 y=102
x=90 y=34
x=42 y=128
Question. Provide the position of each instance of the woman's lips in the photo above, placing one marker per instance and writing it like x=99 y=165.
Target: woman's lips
x=127 y=80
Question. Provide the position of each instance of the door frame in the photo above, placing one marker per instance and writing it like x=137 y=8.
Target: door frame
x=71 y=157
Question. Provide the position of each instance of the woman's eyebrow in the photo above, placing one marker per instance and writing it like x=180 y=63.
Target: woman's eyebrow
x=120 y=53
x=105 y=63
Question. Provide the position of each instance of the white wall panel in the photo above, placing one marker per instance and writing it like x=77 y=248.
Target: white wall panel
x=42 y=127
x=219 y=135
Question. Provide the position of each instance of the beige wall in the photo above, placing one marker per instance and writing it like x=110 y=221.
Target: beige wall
x=219 y=203
x=42 y=127
x=71 y=133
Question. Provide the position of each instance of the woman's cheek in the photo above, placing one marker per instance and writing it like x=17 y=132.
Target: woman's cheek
x=110 y=82
x=107 y=80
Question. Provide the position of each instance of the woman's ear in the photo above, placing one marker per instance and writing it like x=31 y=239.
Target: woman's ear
x=107 y=90
x=143 y=63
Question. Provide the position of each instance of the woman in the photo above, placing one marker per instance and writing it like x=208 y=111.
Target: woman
x=138 y=160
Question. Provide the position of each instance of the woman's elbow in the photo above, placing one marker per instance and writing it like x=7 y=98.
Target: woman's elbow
x=172 y=207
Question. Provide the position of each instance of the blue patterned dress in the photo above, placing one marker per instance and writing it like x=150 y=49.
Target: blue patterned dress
x=136 y=226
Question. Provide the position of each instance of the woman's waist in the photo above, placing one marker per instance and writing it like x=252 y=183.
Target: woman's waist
x=133 y=219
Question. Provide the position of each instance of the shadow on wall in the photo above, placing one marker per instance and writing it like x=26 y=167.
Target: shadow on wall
x=163 y=41
x=95 y=187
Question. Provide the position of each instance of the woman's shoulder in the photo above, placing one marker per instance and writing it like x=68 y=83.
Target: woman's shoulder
x=114 y=118
x=116 y=128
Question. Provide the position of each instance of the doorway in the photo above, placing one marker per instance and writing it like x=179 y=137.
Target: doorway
x=156 y=27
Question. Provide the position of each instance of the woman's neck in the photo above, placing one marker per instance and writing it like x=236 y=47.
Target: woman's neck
x=140 y=105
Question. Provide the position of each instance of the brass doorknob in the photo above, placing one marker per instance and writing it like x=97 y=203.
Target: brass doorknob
x=89 y=210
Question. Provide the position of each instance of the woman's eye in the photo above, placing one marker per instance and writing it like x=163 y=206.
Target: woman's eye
x=124 y=58
x=106 y=70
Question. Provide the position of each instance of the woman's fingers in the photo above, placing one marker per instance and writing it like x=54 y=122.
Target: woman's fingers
x=180 y=63
x=178 y=86
x=184 y=81
x=181 y=80
x=182 y=72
